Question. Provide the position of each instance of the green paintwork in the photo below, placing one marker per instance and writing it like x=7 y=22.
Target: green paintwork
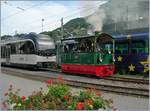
x=86 y=58
x=91 y=53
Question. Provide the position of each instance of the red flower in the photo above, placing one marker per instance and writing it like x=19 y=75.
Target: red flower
x=89 y=102
x=79 y=106
x=5 y=94
x=66 y=97
x=30 y=106
x=23 y=98
x=98 y=93
x=49 y=82
x=60 y=79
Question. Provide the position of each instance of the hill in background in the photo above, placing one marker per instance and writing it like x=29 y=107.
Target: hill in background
x=75 y=27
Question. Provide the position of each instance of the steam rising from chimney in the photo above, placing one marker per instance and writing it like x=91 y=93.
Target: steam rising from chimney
x=93 y=15
x=96 y=19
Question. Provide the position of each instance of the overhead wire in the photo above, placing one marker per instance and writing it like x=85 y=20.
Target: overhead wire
x=51 y=16
x=58 y=20
x=13 y=6
x=9 y=16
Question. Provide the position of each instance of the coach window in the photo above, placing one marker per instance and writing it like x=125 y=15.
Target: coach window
x=13 y=49
x=138 y=46
x=27 y=48
x=2 y=51
x=30 y=48
x=146 y=46
x=121 y=48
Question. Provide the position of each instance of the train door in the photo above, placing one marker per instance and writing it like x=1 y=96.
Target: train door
x=7 y=54
x=139 y=55
x=58 y=52
x=121 y=55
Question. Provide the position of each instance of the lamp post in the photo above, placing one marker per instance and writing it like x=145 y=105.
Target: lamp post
x=42 y=24
x=62 y=28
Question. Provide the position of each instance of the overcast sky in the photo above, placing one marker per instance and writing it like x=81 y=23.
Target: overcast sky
x=26 y=16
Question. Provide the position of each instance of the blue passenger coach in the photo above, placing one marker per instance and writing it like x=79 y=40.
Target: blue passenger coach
x=132 y=53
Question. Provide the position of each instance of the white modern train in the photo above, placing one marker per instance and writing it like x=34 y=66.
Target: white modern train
x=29 y=50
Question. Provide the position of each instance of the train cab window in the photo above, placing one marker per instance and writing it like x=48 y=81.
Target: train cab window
x=108 y=48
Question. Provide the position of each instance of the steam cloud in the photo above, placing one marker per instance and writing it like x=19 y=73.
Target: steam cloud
x=125 y=13
x=96 y=19
x=93 y=15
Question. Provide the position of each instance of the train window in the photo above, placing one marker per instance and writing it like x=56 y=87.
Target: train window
x=8 y=47
x=124 y=51
x=82 y=45
x=147 y=46
x=70 y=46
x=141 y=50
x=100 y=47
x=3 y=51
x=86 y=45
x=27 y=48
x=108 y=48
x=117 y=51
x=121 y=48
x=134 y=51
x=138 y=46
x=66 y=48
x=13 y=49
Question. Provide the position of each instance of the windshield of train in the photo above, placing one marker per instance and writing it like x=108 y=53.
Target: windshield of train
x=104 y=45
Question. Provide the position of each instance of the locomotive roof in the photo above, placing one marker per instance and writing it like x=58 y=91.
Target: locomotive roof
x=88 y=36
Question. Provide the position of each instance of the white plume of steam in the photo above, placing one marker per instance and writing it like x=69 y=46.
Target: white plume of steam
x=96 y=19
x=93 y=15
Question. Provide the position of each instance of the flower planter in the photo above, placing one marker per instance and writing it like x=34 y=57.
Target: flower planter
x=58 y=97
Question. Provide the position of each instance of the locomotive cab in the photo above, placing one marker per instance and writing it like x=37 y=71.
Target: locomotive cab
x=105 y=49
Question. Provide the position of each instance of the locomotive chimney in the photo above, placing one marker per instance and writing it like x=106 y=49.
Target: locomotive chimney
x=97 y=32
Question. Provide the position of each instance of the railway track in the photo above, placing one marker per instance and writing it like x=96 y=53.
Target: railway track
x=110 y=84
x=127 y=79
x=116 y=78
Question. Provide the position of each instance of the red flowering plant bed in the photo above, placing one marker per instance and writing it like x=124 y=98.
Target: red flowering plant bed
x=58 y=96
